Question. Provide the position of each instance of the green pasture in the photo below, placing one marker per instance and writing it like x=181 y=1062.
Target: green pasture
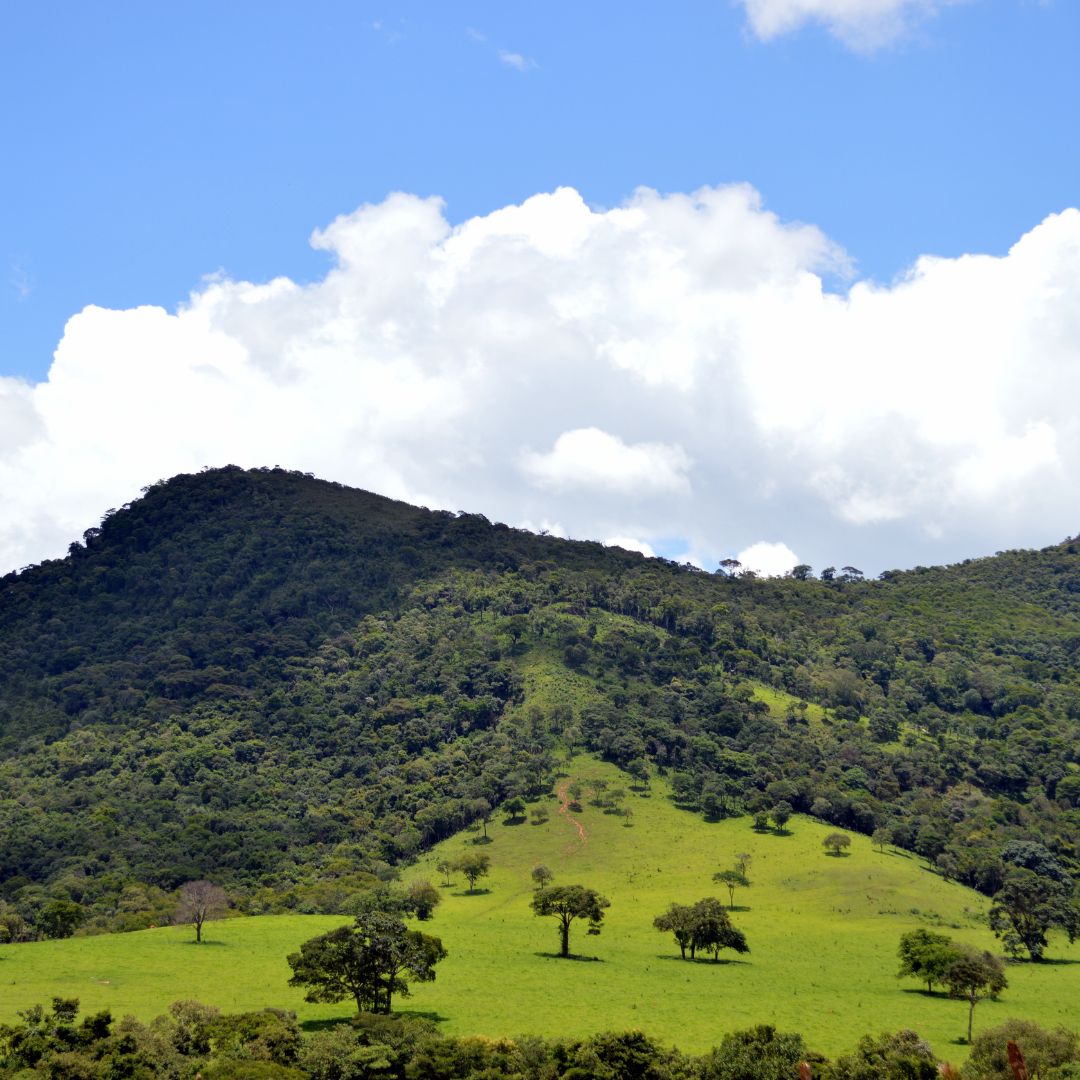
x=823 y=933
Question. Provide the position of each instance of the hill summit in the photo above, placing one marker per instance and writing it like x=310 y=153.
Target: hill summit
x=290 y=686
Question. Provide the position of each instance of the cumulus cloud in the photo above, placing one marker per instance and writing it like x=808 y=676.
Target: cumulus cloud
x=629 y=543
x=768 y=559
x=864 y=25
x=687 y=370
x=593 y=459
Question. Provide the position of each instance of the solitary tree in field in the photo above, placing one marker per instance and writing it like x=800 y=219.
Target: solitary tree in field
x=781 y=815
x=882 y=837
x=367 y=962
x=836 y=842
x=678 y=920
x=423 y=898
x=542 y=876
x=704 y=925
x=743 y=861
x=733 y=880
x=514 y=808
x=446 y=868
x=482 y=811
x=199 y=901
x=713 y=929
x=926 y=956
x=973 y=976
x=474 y=865
x=567 y=903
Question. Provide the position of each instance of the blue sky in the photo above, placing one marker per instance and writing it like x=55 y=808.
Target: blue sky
x=147 y=146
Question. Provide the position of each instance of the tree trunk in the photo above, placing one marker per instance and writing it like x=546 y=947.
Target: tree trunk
x=971 y=1016
x=198 y=931
x=565 y=931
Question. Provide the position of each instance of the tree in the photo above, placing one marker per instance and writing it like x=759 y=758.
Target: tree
x=482 y=811
x=881 y=838
x=926 y=956
x=542 y=876
x=367 y=961
x=446 y=868
x=60 y=918
x=514 y=808
x=539 y=815
x=972 y=976
x=713 y=929
x=679 y=920
x=567 y=903
x=199 y=901
x=733 y=880
x=705 y=926
x=836 y=842
x=743 y=861
x=781 y=814
x=423 y=898
x=474 y=865
x=1027 y=906
x=761 y=821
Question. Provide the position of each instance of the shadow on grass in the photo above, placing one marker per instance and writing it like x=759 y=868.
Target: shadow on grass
x=207 y=941
x=708 y=961
x=421 y=1014
x=572 y=956
x=1050 y=961
x=925 y=993
x=472 y=892
x=482 y=840
x=838 y=854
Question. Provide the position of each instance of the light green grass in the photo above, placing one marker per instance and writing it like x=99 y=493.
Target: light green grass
x=823 y=934
x=240 y=965
x=779 y=701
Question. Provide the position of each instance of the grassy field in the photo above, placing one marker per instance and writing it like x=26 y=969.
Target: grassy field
x=823 y=933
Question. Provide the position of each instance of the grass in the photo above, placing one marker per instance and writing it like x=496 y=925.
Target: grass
x=823 y=933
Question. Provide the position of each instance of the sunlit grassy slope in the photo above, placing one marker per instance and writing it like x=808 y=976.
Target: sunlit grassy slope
x=823 y=933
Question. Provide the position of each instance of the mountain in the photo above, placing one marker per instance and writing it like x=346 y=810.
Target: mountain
x=290 y=686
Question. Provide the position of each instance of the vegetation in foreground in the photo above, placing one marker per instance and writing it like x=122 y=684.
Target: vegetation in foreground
x=193 y=1040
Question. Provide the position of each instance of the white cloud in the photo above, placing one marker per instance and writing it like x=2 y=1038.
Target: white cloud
x=517 y=61
x=555 y=362
x=630 y=543
x=591 y=459
x=864 y=25
x=768 y=559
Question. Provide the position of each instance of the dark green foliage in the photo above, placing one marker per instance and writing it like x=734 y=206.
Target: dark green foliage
x=762 y=1053
x=568 y=903
x=1027 y=906
x=290 y=687
x=701 y=927
x=973 y=975
x=367 y=962
x=926 y=956
x=1044 y=1051
x=901 y=1055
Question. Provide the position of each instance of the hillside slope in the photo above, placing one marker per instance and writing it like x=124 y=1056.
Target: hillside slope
x=291 y=686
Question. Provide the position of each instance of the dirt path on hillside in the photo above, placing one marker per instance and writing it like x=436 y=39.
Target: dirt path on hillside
x=563 y=794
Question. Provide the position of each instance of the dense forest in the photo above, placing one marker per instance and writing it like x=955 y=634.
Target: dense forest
x=292 y=687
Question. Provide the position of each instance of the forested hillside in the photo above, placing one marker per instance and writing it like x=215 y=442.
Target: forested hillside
x=291 y=686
